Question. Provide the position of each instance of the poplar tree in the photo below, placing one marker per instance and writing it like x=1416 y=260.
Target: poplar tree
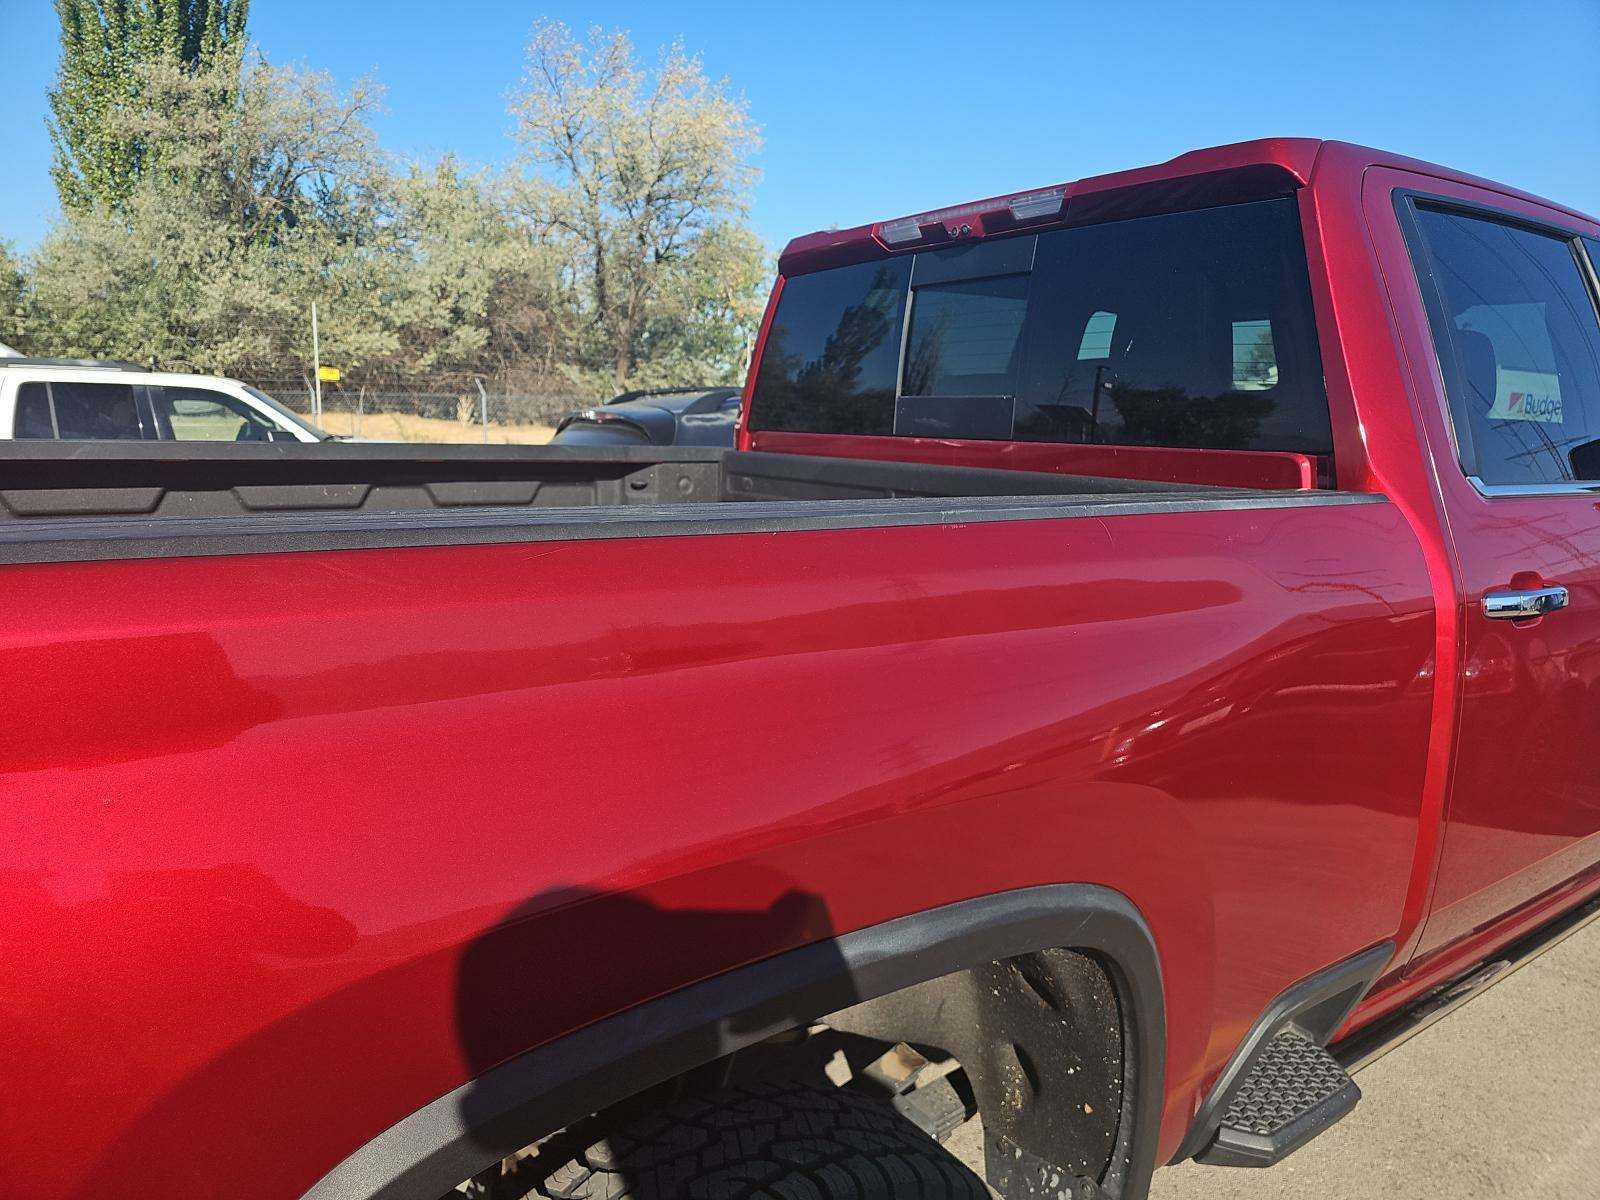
x=103 y=44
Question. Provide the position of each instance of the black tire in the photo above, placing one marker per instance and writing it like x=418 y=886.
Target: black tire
x=766 y=1142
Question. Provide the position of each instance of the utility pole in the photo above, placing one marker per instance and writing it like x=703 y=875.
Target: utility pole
x=316 y=365
x=483 y=408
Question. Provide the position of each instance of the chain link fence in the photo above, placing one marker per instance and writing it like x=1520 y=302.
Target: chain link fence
x=455 y=411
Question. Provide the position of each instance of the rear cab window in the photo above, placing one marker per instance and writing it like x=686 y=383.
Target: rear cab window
x=1515 y=326
x=1188 y=330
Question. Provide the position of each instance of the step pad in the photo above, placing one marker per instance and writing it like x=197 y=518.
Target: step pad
x=1294 y=1090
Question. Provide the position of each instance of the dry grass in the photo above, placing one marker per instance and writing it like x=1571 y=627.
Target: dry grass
x=403 y=427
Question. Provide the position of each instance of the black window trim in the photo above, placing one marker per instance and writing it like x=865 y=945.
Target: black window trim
x=50 y=403
x=144 y=405
x=906 y=305
x=1407 y=201
x=157 y=398
x=976 y=271
x=1588 y=266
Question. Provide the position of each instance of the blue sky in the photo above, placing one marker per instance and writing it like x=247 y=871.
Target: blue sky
x=872 y=110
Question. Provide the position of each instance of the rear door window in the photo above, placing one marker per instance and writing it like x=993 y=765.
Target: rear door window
x=833 y=352
x=1518 y=340
x=74 y=410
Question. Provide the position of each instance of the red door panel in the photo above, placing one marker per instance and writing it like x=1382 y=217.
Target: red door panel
x=1515 y=382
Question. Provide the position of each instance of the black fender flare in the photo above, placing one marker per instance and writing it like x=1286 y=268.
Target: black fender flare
x=538 y=1092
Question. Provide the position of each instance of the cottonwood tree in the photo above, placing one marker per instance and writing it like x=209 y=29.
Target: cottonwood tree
x=209 y=262
x=460 y=285
x=261 y=151
x=645 y=177
x=701 y=325
x=103 y=45
x=475 y=289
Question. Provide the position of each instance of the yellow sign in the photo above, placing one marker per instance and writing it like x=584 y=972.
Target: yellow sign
x=329 y=374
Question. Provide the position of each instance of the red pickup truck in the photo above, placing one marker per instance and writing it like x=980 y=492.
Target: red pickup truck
x=1136 y=669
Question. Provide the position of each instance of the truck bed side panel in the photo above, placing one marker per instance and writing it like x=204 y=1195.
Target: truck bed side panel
x=358 y=825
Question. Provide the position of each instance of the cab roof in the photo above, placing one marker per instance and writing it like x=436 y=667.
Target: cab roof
x=1230 y=174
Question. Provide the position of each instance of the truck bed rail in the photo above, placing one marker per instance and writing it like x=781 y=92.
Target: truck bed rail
x=160 y=480
x=70 y=502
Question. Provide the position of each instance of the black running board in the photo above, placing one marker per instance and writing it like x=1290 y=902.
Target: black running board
x=1281 y=1088
x=1285 y=1085
x=1295 y=1090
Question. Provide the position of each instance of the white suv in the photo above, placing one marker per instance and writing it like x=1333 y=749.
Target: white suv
x=80 y=399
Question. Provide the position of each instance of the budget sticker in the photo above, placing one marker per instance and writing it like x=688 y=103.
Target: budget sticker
x=1527 y=396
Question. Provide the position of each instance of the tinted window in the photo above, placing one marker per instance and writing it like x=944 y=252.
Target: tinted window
x=1519 y=344
x=98 y=411
x=832 y=354
x=1189 y=329
x=33 y=418
x=78 y=411
x=201 y=415
x=965 y=337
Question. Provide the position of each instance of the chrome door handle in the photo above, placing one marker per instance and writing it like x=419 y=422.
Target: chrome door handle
x=1520 y=605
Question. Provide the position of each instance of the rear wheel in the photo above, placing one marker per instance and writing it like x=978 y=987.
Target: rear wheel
x=768 y=1141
